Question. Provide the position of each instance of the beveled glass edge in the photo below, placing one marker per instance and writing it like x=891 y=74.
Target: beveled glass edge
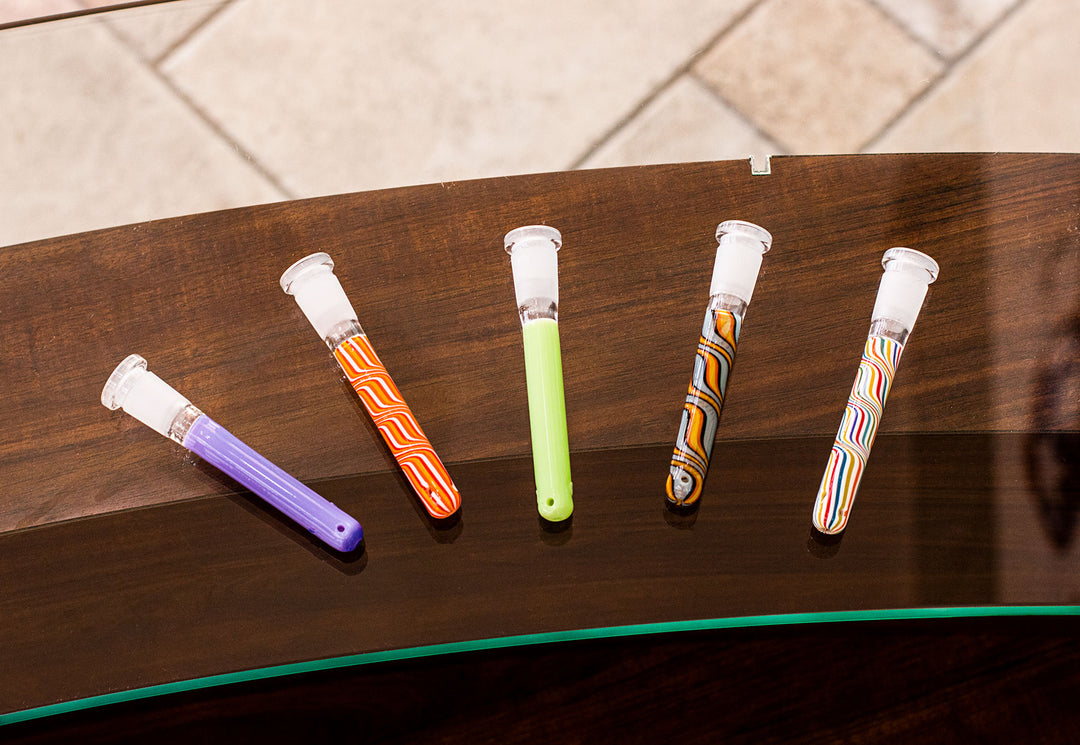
x=79 y=12
x=550 y=637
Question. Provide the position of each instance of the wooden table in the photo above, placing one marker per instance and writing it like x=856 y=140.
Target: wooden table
x=127 y=566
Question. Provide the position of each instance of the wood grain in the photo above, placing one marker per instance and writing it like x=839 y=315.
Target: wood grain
x=971 y=496
x=979 y=680
x=424 y=266
x=205 y=586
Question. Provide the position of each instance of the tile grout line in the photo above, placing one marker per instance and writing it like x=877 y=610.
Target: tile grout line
x=781 y=147
x=228 y=139
x=761 y=132
x=215 y=128
x=950 y=66
x=191 y=33
x=749 y=121
x=904 y=29
x=659 y=89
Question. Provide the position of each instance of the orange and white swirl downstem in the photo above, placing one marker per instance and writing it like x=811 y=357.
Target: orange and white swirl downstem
x=311 y=281
x=900 y=296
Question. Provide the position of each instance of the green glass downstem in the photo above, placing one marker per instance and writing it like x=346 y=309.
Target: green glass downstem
x=533 y=250
x=547 y=419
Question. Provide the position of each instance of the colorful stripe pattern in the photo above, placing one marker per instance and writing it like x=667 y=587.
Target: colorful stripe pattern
x=704 y=401
x=847 y=461
x=398 y=426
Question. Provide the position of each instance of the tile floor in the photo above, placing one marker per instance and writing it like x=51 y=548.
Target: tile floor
x=198 y=105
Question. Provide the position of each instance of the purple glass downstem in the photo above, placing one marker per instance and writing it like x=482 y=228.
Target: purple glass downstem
x=222 y=449
x=155 y=403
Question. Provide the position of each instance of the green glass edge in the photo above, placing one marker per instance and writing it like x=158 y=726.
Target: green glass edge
x=506 y=642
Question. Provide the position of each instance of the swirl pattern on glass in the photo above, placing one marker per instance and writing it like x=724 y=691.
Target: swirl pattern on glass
x=398 y=426
x=704 y=402
x=847 y=461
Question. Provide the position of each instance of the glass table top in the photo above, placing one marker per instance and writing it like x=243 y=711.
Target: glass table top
x=172 y=578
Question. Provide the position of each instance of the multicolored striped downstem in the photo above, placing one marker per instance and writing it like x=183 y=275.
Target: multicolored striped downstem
x=704 y=402
x=855 y=438
x=398 y=426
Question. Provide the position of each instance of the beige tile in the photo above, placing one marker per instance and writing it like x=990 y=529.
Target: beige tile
x=948 y=26
x=23 y=10
x=90 y=138
x=1016 y=91
x=684 y=123
x=819 y=77
x=154 y=29
x=337 y=95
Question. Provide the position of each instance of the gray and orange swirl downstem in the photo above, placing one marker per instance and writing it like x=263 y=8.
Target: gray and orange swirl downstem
x=735 y=271
x=311 y=281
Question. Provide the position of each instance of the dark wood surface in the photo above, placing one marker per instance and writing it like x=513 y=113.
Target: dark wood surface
x=971 y=496
x=215 y=585
x=425 y=269
x=975 y=681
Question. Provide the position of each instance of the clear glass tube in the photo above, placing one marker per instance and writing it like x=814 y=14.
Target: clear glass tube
x=890 y=328
x=538 y=308
x=735 y=271
x=181 y=423
x=903 y=286
x=729 y=303
x=341 y=332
